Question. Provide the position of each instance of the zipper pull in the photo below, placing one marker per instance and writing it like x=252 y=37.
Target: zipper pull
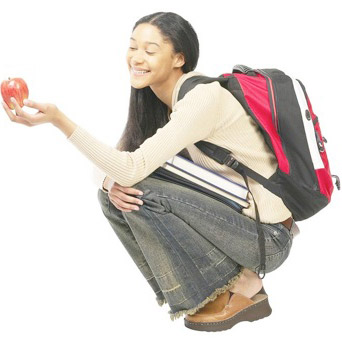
x=337 y=183
x=319 y=142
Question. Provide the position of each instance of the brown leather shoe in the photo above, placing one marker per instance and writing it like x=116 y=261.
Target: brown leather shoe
x=227 y=310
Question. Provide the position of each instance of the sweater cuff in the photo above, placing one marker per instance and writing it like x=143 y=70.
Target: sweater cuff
x=98 y=177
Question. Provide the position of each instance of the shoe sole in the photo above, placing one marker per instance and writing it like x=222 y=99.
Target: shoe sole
x=254 y=312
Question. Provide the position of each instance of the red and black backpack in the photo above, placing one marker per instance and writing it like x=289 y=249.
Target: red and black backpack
x=281 y=108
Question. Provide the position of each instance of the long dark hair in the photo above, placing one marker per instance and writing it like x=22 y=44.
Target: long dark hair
x=147 y=112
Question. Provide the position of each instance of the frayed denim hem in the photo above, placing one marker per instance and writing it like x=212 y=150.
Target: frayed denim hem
x=211 y=297
x=161 y=302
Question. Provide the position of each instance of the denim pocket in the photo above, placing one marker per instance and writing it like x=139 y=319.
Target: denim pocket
x=277 y=230
x=277 y=240
x=276 y=260
x=285 y=230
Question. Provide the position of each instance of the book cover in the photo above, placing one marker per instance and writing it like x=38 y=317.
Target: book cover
x=197 y=181
x=208 y=176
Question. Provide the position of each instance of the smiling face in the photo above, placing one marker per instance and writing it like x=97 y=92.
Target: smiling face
x=149 y=51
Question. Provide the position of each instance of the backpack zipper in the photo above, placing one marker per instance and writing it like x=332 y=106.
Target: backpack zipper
x=274 y=111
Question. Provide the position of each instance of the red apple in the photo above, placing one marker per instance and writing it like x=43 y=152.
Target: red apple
x=14 y=87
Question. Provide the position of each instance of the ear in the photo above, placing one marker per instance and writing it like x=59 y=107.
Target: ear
x=179 y=60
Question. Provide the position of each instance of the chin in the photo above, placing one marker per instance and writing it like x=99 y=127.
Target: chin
x=140 y=82
x=137 y=86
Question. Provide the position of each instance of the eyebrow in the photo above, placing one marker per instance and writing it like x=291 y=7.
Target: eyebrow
x=148 y=42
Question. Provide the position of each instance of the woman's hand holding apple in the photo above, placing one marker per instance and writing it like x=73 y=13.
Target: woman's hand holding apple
x=47 y=113
x=14 y=92
x=14 y=87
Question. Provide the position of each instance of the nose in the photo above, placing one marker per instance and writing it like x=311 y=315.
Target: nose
x=137 y=58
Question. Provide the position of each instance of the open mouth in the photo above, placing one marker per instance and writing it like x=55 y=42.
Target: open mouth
x=139 y=73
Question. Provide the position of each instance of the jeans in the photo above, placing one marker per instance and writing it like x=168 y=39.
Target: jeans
x=190 y=247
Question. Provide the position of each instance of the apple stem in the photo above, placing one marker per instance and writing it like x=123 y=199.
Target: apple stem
x=9 y=78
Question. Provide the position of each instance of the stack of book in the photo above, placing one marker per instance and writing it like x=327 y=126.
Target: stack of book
x=183 y=171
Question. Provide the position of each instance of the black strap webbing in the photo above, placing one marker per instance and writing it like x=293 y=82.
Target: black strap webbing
x=223 y=156
x=261 y=236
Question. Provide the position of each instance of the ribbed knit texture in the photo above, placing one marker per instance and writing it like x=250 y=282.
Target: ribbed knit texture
x=207 y=112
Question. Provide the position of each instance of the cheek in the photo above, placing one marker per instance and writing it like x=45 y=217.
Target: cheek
x=160 y=64
x=128 y=57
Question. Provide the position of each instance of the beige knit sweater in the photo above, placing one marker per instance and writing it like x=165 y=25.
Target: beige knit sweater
x=207 y=112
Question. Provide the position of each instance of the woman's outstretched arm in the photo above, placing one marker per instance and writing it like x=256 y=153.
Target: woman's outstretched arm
x=193 y=119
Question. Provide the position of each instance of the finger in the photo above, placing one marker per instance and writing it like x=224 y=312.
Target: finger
x=39 y=106
x=125 y=205
x=120 y=208
x=19 y=111
x=124 y=210
x=13 y=117
x=132 y=191
x=125 y=198
x=122 y=188
x=38 y=118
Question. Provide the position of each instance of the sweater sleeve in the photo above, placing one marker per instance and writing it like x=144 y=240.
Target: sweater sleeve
x=193 y=119
x=98 y=179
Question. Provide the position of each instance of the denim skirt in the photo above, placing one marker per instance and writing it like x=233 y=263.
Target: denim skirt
x=191 y=247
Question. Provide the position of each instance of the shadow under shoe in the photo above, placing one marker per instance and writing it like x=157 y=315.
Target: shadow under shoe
x=227 y=310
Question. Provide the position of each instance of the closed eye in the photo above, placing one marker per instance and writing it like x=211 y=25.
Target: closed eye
x=132 y=48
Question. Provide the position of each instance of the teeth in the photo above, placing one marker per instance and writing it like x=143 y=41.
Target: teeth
x=139 y=72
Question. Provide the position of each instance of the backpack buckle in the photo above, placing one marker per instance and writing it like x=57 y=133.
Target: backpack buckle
x=231 y=162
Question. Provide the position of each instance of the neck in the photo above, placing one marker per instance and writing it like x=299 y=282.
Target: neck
x=164 y=91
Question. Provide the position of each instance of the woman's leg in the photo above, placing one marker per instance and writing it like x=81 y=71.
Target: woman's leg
x=125 y=235
x=231 y=232
x=195 y=246
x=248 y=284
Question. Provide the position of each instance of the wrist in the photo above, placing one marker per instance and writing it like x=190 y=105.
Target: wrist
x=107 y=184
x=104 y=183
x=62 y=122
x=58 y=119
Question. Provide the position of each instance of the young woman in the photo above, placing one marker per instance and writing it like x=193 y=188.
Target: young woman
x=197 y=254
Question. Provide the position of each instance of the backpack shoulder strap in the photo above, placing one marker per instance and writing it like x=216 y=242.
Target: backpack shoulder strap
x=220 y=154
x=224 y=156
x=191 y=82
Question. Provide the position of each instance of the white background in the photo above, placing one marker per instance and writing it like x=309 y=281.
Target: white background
x=64 y=273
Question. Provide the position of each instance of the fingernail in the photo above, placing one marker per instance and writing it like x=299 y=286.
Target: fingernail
x=141 y=193
x=136 y=208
